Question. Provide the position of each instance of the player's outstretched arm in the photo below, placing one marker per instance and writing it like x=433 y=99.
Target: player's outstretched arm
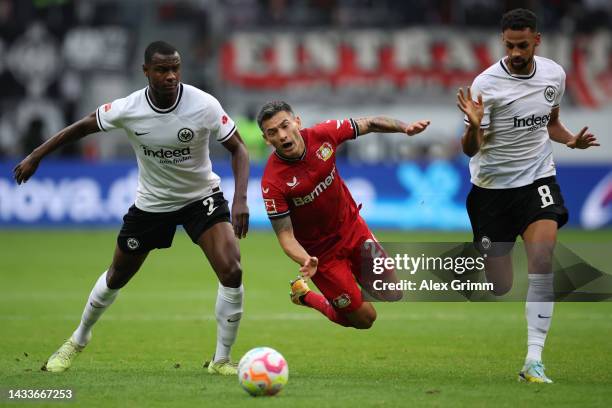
x=560 y=134
x=27 y=167
x=383 y=124
x=284 y=232
x=474 y=110
x=240 y=167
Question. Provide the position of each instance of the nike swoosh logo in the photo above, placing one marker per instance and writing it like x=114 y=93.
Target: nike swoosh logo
x=94 y=306
x=141 y=133
x=233 y=321
x=544 y=317
x=265 y=190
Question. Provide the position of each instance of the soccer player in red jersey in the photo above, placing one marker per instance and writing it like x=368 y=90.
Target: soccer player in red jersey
x=312 y=212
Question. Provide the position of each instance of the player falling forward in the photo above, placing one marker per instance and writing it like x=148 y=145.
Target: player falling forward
x=508 y=135
x=315 y=219
x=168 y=124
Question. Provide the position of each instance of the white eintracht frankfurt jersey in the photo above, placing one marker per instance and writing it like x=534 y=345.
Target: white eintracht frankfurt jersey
x=516 y=149
x=171 y=145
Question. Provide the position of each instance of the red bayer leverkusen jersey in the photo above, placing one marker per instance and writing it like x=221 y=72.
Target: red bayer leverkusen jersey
x=310 y=190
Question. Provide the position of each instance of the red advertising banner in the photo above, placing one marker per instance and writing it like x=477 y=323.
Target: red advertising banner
x=404 y=59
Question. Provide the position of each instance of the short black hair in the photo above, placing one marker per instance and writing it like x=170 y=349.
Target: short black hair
x=270 y=109
x=158 y=47
x=519 y=19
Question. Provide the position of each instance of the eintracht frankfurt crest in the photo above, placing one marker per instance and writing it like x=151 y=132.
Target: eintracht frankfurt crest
x=185 y=135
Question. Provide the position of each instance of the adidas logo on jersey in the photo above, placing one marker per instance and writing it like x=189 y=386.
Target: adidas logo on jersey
x=322 y=186
x=533 y=122
x=166 y=153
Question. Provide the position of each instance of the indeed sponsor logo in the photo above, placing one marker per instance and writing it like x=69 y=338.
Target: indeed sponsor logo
x=320 y=188
x=533 y=122
x=166 y=153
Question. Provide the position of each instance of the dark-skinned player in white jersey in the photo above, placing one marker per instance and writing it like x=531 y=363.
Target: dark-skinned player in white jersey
x=511 y=115
x=168 y=124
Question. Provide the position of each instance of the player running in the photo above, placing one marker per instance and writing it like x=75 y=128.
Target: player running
x=168 y=124
x=511 y=115
x=315 y=219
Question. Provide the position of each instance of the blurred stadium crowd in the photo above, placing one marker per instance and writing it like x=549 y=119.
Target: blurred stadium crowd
x=60 y=59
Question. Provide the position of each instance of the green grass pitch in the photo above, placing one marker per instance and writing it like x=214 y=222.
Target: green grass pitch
x=149 y=347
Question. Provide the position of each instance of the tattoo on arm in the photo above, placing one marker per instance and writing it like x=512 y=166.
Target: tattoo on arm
x=282 y=224
x=380 y=124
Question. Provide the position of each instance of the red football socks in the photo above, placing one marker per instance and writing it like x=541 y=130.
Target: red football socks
x=318 y=302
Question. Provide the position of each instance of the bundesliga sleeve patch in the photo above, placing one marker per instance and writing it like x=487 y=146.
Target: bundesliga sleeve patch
x=342 y=301
x=270 y=206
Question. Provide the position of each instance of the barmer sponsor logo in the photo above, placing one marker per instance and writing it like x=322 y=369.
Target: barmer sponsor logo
x=533 y=122
x=177 y=155
x=322 y=186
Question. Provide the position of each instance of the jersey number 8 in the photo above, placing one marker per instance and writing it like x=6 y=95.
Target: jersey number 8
x=547 y=199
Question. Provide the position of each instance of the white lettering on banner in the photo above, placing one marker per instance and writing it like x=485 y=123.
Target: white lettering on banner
x=403 y=59
x=249 y=50
x=461 y=54
x=367 y=44
x=286 y=47
x=65 y=200
x=411 y=49
x=324 y=45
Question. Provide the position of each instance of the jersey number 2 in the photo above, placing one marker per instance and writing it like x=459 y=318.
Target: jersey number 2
x=211 y=207
x=547 y=199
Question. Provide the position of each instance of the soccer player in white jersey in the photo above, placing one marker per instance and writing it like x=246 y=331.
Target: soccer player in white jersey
x=511 y=115
x=168 y=124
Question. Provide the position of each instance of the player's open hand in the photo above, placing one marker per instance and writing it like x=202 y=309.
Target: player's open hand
x=24 y=170
x=474 y=110
x=417 y=127
x=583 y=140
x=240 y=218
x=309 y=268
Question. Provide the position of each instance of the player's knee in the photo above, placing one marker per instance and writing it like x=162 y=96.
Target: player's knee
x=365 y=323
x=116 y=278
x=231 y=274
x=365 y=320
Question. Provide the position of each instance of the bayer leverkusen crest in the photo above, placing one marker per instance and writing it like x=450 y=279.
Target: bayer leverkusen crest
x=325 y=151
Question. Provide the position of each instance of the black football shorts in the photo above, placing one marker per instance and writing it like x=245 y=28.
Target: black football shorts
x=143 y=231
x=499 y=216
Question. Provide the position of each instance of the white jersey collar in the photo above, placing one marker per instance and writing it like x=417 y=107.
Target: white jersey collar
x=502 y=62
x=167 y=110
